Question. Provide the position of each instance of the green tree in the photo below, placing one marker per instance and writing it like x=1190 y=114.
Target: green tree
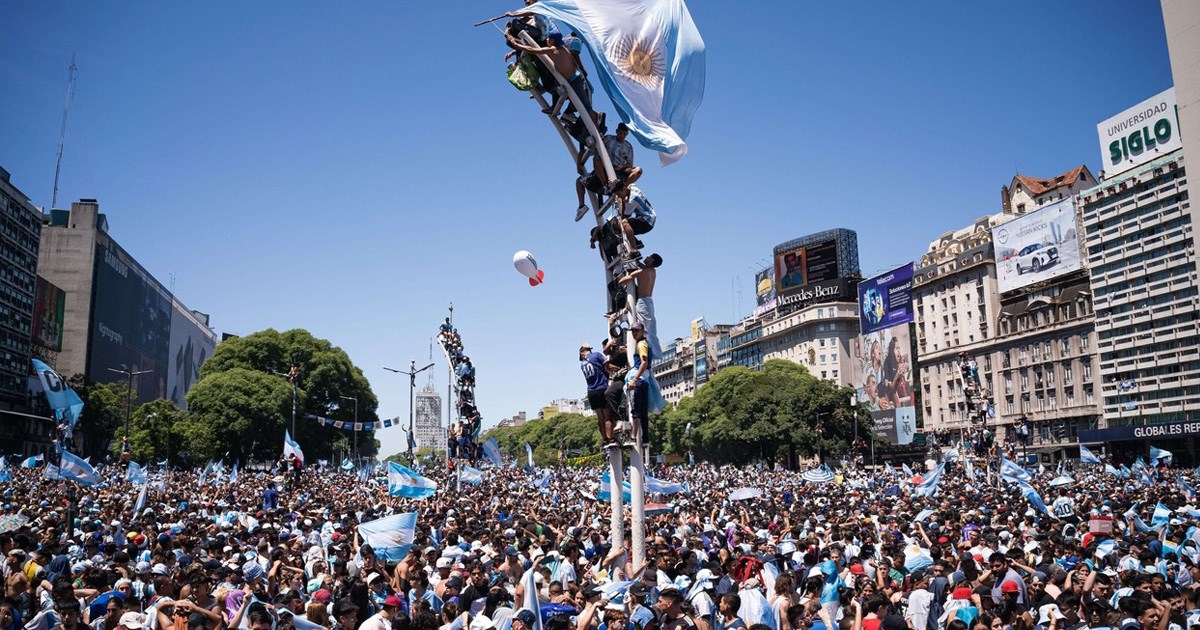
x=154 y=433
x=779 y=412
x=250 y=401
x=101 y=426
x=574 y=431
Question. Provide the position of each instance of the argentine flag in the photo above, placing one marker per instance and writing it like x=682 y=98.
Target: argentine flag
x=1011 y=471
x=290 y=446
x=403 y=482
x=1162 y=515
x=1034 y=498
x=492 y=451
x=1160 y=455
x=604 y=492
x=649 y=58
x=75 y=469
x=1086 y=456
x=473 y=476
x=63 y=400
x=391 y=536
x=135 y=473
x=658 y=486
x=929 y=485
x=32 y=462
x=529 y=453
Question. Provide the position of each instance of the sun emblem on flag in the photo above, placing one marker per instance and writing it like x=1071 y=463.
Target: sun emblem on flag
x=639 y=59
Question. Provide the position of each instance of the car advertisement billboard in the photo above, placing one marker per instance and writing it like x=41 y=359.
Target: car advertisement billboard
x=49 y=303
x=1140 y=134
x=131 y=324
x=799 y=267
x=886 y=300
x=1038 y=246
x=764 y=291
x=883 y=381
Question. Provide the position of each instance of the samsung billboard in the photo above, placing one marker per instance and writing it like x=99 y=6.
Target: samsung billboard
x=1140 y=134
x=1041 y=245
x=886 y=300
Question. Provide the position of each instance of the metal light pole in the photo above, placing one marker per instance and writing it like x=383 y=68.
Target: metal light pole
x=355 y=431
x=292 y=376
x=128 y=400
x=412 y=386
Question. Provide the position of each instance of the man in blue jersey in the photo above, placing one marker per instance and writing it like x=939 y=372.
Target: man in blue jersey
x=594 y=372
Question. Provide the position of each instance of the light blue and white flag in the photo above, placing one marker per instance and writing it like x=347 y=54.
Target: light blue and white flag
x=930 y=483
x=1187 y=490
x=491 y=450
x=1086 y=456
x=604 y=492
x=1139 y=464
x=347 y=465
x=391 y=536
x=950 y=455
x=290 y=446
x=529 y=453
x=1034 y=498
x=32 y=462
x=649 y=58
x=403 y=482
x=233 y=473
x=1011 y=471
x=141 y=500
x=73 y=468
x=1108 y=468
x=63 y=400
x=1161 y=516
x=970 y=468
x=1146 y=477
x=922 y=515
x=907 y=471
x=544 y=482
x=658 y=486
x=473 y=476
x=1160 y=455
x=530 y=600
x=135 y=473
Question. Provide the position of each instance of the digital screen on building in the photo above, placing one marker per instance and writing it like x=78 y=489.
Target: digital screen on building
x=886 y=300
x=131 y=324
x=764 y=291
x=801 y=266
x=883 y=381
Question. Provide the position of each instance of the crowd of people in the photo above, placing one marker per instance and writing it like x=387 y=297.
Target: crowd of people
x=462 y=437
x=863 y=552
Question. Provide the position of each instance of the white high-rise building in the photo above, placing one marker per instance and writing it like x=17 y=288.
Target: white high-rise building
x=428 y=420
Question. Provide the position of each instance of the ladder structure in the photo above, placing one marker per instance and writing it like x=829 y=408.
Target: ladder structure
x=614 y=269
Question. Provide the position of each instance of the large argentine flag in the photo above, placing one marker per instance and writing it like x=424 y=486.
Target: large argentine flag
x=650 y=60
x=930 y=483
x=63 y=400
x=403 y=482
x=74 y=468
x=1011 y=471
x=390 y=536
x=1086 y=456
x=473 y=476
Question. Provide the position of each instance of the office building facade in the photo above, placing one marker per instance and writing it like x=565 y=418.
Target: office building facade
x=427 y=419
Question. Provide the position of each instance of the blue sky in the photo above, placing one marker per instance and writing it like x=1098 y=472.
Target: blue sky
x=352 y=169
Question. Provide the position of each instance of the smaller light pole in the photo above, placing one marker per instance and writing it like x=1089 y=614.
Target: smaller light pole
x=128 y=372
x=355 y=431
x=412 y=386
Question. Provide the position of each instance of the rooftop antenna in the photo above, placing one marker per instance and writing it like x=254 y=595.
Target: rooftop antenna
x=62 y=134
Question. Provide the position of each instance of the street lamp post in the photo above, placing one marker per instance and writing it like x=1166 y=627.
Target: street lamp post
x=292 y=376
x=412 y=386
x=129 y=373
x=355 y=431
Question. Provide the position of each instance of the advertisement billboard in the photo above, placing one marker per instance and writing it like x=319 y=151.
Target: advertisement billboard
x=764 y=291
x=886 y=300
x=883 y=380
x=1139 y=134
x=49 y=302
x=1038 y=246
x=131 y=326
x=799 y=267
x=191 y=343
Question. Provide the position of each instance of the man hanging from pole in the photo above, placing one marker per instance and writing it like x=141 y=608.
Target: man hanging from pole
x=639 y=386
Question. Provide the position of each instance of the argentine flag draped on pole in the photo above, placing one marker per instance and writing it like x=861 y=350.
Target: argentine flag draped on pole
x=492 y=451
x=63 y=400
x=1086 y=456
x=75 y=469
x=391 y=536
x=649 y=58
x=529 y=453
x=290 y=446
x=141 y=500
x=403 y=482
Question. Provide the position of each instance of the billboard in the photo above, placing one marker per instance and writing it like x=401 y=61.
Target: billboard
x=1038 y=246
x=883 y=380
x=131 y=323
x=801 y=266
x=1140 y=134
x=764 y=291
x=886 y=300
x=49 y=302
x=191 y=343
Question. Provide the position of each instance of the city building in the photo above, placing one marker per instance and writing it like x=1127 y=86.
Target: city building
x=1023 y=317
x=20 y=319
x=427 y=420
x=566 y=405
x=514 y=421
x=117 y=316
x=1181 y=20
x=685 y=364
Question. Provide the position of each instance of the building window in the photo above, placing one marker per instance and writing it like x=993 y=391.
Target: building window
x=823 y=376
x=1083 y=342
x=1065 y=347
x=1024 y=380
x=1049 y=349
x=1087 y=370
x=1053 y=401
x=1008 y=383
x=1011 y=406
x=1087 y=395
x=835 y=374
x=1066 y=373
x=1070 y=397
